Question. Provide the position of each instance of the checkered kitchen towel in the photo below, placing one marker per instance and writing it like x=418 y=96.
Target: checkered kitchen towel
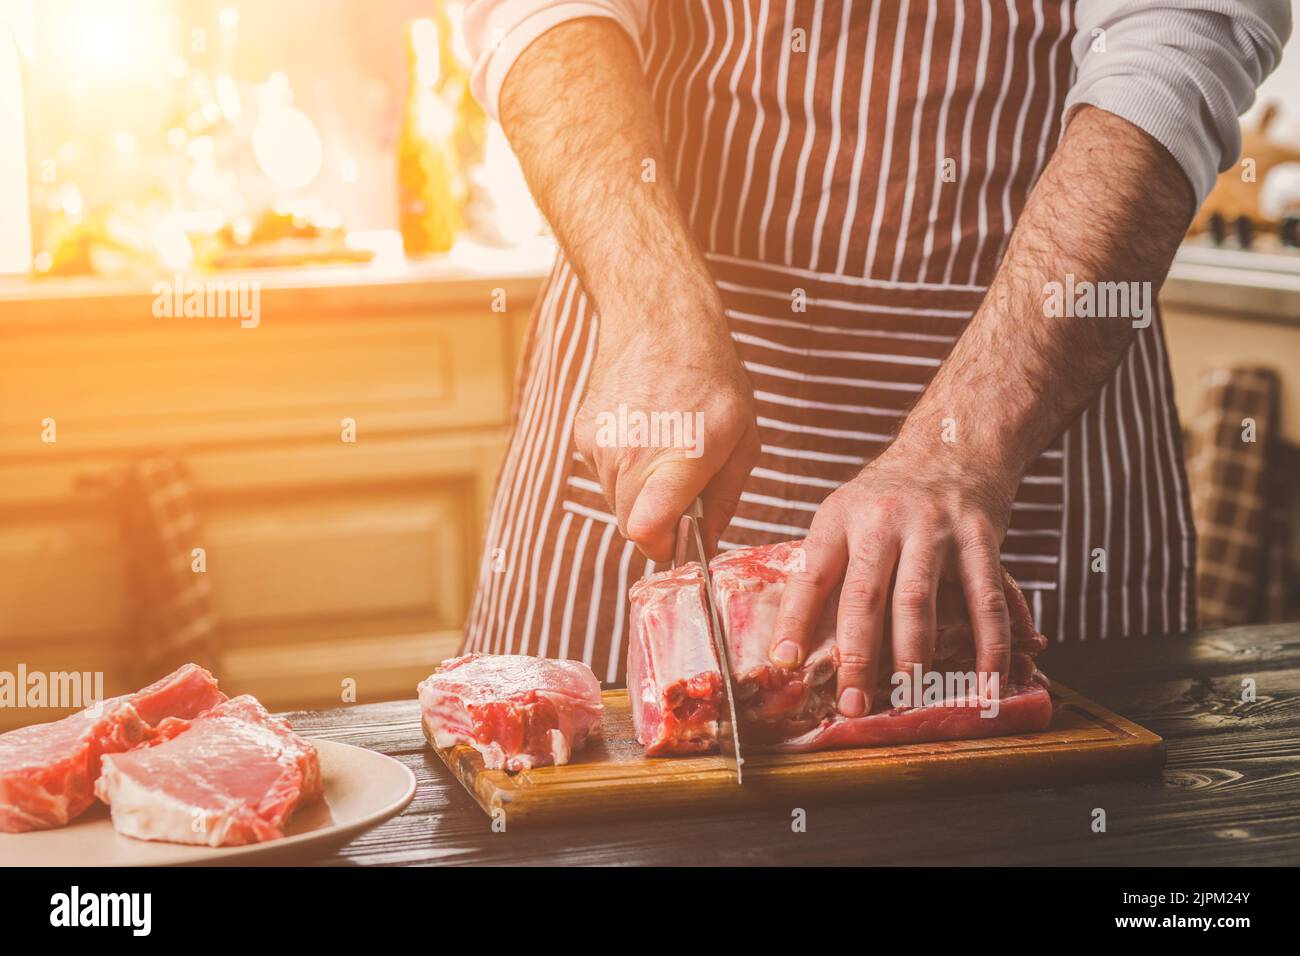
x=172 y=615
x=1238 y=485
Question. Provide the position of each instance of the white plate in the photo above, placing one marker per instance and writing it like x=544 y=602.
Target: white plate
x=362 y=790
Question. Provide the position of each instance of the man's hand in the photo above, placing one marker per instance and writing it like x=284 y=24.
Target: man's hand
x=684 y=367
x=908 y=522
x=1111 y=206
x=578 y=114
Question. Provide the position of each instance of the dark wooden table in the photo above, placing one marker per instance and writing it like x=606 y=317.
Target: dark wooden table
x=1230 y=793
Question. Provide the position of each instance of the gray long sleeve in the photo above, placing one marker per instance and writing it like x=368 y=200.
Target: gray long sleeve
x=1182 y=70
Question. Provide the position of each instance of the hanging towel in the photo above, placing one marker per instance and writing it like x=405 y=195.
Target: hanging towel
x=172 y=616
x=1239 y=497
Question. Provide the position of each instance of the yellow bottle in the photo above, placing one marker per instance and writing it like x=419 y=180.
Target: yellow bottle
x=431 y=184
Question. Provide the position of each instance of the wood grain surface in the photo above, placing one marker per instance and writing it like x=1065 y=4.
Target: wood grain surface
x=612 y=776
x=1229 y=793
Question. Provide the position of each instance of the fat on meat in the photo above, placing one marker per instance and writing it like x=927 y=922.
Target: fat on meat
x=231 y=776
x=673 y=678
x=48 y=771
x=519 y=712
x=772 y=702
x=794 y=709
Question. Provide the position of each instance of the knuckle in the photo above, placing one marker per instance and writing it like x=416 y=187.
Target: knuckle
x=830 y=514
x=870 y=517
x=813 y=579
x=822 y=531
x=912 y=596
x=863 y=599
x=853 y=660
x=640 y=531
x=991 y=602
x=885 y=505
x=928 y=513
x=868 y=545
x=975 y=534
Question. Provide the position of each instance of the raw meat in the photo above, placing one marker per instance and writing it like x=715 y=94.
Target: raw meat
x=48 y=771
x=794 y=709
x=519 y=712
x=672 y=671
x=772 y=702
x=230 y=776
x=1024 y=708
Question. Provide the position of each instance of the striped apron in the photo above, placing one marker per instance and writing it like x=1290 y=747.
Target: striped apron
x=809 y=142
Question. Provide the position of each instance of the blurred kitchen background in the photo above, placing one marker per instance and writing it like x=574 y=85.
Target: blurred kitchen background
x=334 y=459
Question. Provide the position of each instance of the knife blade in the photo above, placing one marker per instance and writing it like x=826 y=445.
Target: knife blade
x=688 y=533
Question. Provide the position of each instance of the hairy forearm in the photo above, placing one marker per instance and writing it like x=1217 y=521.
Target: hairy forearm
x=1111 y=206
x=578 y=113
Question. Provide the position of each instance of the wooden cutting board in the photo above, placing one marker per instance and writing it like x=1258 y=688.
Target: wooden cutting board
x=612 y=777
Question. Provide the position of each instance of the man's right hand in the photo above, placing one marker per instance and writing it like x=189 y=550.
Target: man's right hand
x=679 y=366
x=578 y=113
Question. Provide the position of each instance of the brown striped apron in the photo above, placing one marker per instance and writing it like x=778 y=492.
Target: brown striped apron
x=808 y=141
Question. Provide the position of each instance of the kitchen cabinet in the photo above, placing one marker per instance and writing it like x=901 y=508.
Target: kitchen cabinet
x=328 y=559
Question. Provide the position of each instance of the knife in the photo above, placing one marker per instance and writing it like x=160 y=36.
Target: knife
x=688 y=533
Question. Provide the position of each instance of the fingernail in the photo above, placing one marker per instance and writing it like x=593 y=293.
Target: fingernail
x=786 y=654
x=853 y=703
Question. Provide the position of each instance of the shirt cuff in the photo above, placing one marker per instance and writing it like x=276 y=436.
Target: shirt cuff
x=1146 y=103
x=1182 y=72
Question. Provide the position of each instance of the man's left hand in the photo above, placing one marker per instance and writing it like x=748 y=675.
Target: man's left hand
x=909 y=520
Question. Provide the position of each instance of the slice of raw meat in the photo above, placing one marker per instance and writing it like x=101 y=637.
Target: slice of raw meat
x=673 y=679
x=773 y=702
x=519 y=712
x=1023 y=708
x=48 y=771
x=230 y=776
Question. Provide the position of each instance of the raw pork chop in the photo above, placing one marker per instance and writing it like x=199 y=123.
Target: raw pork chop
x=794 y=709
x=231 y=776
x=519 y=712
x=48 y=771
x=672 y=671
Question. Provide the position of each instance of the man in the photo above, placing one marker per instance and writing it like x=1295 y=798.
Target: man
x=796 y=220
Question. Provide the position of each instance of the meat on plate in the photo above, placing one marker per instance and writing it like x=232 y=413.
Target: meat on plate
x=177 y=761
